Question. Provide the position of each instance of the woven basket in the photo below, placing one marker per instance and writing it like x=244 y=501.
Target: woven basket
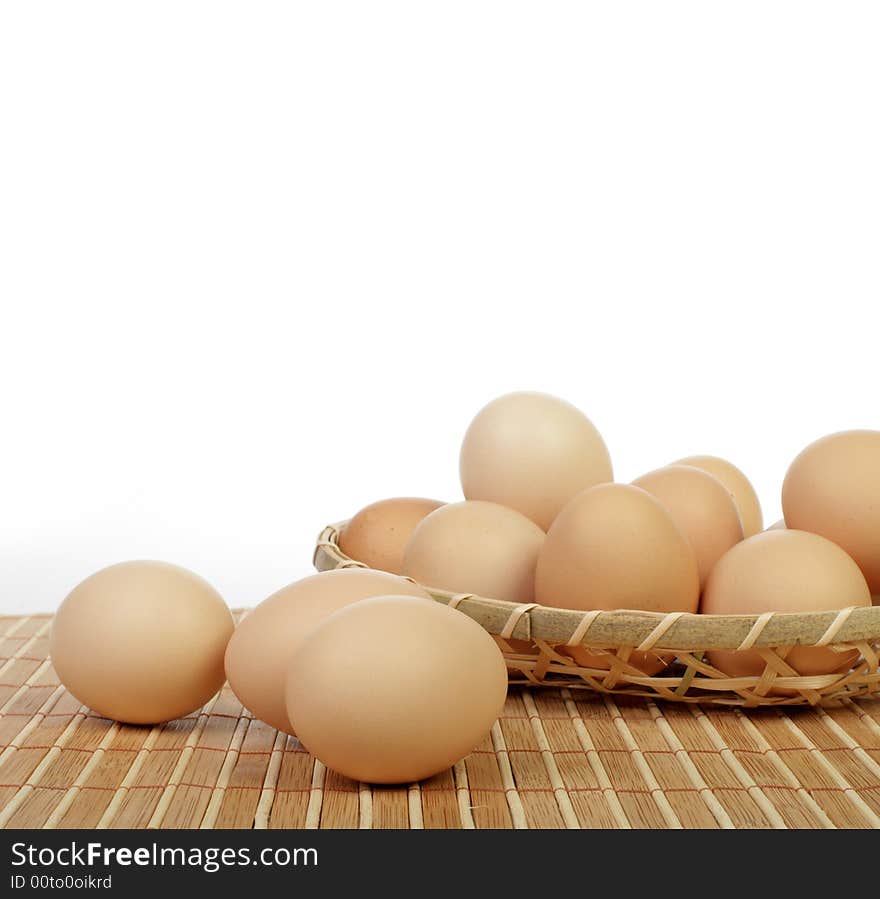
x=534 y=640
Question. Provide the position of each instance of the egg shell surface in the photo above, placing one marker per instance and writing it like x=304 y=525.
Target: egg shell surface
x=393 y=690
x=141 y=642
x=261 y=647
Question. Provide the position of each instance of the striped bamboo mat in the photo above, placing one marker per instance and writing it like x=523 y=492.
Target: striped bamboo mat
x=554 y=759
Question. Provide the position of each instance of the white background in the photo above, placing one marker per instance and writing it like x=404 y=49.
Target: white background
x=261 y=263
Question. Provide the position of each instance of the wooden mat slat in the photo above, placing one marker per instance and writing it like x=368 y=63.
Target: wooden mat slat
x=554 y=759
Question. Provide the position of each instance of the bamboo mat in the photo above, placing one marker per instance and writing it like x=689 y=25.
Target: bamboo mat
x=554 y=759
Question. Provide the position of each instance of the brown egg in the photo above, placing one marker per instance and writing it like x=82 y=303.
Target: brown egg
x=615 y=546
x=784 y=571
x=833 y=489
x=260 y=648
x=701 y=507
x=392 y=690
x=476 y=547
x=533 y=453
x=141 y=642
x=737 y=485
x=378 y=533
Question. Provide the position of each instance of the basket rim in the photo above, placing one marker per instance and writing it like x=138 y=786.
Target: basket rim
x=681 y=631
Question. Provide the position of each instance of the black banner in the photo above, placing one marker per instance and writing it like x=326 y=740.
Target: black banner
x=403 y=862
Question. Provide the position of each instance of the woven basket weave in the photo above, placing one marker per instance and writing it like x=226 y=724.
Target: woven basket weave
x=533 y=639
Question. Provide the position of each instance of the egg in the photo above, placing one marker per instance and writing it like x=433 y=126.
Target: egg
x=260 y=649
x=833 y=489
x=141 y=642
x=378 y=533
x=615 y=546
x=701 y=507
x=784 y=571
x=738 y=486
x=393 y=690
x=533 y=453
x=476 y=547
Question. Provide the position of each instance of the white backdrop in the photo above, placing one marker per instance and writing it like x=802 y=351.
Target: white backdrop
x=261 y=263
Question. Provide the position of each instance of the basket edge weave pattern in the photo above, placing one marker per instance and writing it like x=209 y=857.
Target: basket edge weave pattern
x=539 y=632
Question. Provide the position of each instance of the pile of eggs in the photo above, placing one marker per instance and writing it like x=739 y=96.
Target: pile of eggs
x=543 y=521
x=385 y=685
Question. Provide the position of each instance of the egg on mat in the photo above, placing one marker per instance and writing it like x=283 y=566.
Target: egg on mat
x=378 y=533
x=393 y=690
x=784 y=571
x=141 y=642
x=261 y=647
x=738 y=486
x=615 y=546
x=702 y=508
x=833 y=489
x=533 y=453
x=476 y=547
